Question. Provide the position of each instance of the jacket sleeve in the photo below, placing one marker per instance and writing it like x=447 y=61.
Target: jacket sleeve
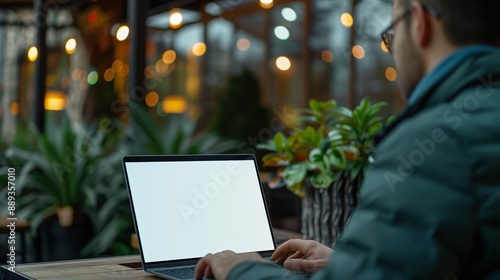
x=416 y=217
x=258 y=270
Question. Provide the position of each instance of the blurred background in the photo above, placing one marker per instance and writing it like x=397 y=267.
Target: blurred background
x=164 y=77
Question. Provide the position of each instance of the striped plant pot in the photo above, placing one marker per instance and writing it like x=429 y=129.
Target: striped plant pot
x=326 y=211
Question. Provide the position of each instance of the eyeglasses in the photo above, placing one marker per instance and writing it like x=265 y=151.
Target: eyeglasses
x=388 y=33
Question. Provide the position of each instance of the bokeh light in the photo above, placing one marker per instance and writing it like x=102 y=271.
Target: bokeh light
x=169 y=56
x=391 y=74
x=117 y=65
x=32 y=54
x=109 y=74
x=161 y=67
x=175 y=18
x=281 y=32
x=358 y=52
x=92 y=17
x=266 y=4
x=152 y=99
x=346 y=19
x=199 y=49
x=76 y=74
x=93 y=78
x=70 y=45
x=327 y=56
x=289 y=14
x=55 y=100
x=283 y=63
x=243 y=44
x=14 y=108
x=125 y=70
x=174 y=104
x=122 y=33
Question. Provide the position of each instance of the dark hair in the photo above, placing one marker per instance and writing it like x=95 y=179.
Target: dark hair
x=467 y=22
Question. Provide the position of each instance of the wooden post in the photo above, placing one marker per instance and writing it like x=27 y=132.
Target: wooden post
x=206 y=103
x=306 y=78
x=267 y=79
x=40 y=64
x=137 y=23
x=351 y=100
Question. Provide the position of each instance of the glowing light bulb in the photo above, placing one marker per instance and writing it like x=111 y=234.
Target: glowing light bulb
x=152 y=99
x=243 y=44
x=199 y=49
x=289 y=14
x=266 y=4
x=281 y=32
x=169 y=56
x=327 y=56
x=70 y=45
x=92 y=78
x=283 y=63
x=122 y=33
x=358 y=52
x=346 y=19
x=175 y=18
x=32 y=54
x=391 y=74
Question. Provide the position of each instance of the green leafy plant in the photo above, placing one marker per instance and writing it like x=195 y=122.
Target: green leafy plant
x=357 y=129
x=176 y=135
x=335 y=141
x=113 y=220
x=81 y=170
x=57 y=172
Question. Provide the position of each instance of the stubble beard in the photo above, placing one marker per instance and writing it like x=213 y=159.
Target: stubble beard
x=410 y=67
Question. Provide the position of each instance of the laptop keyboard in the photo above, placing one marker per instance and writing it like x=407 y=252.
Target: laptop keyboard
x=181 y=273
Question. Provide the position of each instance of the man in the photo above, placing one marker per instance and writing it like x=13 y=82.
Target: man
x=430 y=204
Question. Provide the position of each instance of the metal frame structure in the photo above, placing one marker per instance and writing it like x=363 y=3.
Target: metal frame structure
x=138 y=12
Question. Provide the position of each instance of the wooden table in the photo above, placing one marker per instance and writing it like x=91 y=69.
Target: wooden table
x=126 y=267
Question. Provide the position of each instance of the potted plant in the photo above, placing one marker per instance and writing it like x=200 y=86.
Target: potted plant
x=323 y=161
x=57 y=191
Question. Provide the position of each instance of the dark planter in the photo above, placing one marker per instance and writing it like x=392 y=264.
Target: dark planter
x=326 y=211
x=64 y=243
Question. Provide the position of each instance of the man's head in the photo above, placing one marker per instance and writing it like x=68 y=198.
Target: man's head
x=430 y=30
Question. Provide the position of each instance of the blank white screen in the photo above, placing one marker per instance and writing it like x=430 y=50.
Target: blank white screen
x=188 y=209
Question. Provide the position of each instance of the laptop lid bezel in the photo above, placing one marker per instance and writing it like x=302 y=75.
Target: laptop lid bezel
x=199 y=157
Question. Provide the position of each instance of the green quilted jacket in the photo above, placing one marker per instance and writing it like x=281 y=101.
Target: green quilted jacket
x=430 y=204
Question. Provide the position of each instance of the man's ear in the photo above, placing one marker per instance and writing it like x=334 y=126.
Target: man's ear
x=421 y=30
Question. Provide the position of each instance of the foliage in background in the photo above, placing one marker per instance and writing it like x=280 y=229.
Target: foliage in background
x=24 y=139
x=82 y=169
x=239 y=113
x=55 y=173
x=177 y=134
x=112 y=219
x=327 y=140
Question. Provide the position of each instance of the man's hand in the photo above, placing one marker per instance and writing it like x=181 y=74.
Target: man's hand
x=305 y=255
x=219 y=265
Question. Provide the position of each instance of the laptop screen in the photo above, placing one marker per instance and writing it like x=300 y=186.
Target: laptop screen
x=185 y=209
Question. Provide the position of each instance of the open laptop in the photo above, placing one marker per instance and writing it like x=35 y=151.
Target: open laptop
x=186 y=206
